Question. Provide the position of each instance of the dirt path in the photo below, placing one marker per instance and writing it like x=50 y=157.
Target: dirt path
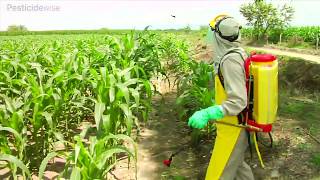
x=308 y=57
x=164 y=134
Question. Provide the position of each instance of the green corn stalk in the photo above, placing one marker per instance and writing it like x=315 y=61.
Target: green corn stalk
x=96 y=160
x=49 y=85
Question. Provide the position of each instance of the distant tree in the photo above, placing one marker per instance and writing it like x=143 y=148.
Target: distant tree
x=187 y=29
x=147 y=27
x=263 y=17
x=17 y=28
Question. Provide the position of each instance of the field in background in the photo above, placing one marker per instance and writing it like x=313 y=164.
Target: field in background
x=307 y=37
x=306 y=34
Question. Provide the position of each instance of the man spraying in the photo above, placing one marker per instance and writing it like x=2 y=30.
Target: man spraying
x=227 y=161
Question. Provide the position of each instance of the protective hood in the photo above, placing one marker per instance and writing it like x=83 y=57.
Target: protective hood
x=222 y=46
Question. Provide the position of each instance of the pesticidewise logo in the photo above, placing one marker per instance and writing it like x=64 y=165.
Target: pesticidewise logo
x=25 y=7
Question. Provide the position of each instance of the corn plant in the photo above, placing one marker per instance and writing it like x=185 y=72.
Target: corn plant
x=49 y=86
x=19 y=145
x=195 y=89
x=96 y=160
x=114 y=111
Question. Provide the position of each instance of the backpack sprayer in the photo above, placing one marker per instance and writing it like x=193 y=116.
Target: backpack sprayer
x=262 y=95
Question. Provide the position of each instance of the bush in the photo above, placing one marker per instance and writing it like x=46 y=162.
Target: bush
x=15 y=28
x=316 y=159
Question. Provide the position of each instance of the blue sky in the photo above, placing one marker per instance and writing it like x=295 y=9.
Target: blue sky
x=129 y=14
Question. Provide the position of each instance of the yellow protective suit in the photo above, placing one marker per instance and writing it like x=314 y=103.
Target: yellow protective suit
x=227 y=160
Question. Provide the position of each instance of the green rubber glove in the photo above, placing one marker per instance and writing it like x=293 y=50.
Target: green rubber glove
x=200 y=118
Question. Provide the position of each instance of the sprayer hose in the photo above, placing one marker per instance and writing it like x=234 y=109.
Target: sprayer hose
x=257 y=149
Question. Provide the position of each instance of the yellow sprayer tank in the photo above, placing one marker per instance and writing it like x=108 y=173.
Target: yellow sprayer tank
x=264 y=70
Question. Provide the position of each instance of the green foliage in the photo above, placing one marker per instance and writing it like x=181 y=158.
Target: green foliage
x=305 y=146
x=15 y=162
x=306 y=112
x=263 y=17
x=195 y=92
x=308 y=33
x=195 y=88
x=51 y=84
x=298 y=91
x=65 y=32
x=187 y=29
x=316 y=160
x=292 y=35
x=44 y=163
x=95 y=161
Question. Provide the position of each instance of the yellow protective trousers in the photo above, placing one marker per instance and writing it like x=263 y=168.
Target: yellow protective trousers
x=227 y=160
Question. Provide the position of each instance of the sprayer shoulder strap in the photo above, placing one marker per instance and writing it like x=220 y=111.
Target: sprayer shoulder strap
x=221 y=60
x=240 y=116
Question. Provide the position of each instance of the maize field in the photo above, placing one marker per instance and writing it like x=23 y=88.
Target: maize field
x=306 y=33
x=80 y=98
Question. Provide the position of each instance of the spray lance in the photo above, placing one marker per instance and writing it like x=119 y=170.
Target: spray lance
x=167 y=162
x=194 y=142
